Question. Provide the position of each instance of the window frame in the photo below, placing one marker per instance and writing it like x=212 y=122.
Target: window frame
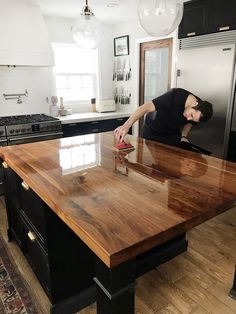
x=94 y=75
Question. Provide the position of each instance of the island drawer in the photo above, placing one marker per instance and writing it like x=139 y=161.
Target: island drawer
x=40 y=239
x=37 y=257
x=33 y=209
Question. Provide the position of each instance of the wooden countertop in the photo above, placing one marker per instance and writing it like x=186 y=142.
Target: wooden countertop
x=121 y=205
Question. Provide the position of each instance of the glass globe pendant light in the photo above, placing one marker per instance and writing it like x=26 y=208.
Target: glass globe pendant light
x=160 y=17
x=87 y=30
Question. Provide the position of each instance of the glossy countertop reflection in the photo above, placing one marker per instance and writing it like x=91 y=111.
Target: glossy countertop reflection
x=122 y=204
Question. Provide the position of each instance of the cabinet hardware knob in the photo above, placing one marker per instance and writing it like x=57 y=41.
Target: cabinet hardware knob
x=224 y=28
x=95 y=130
x=31 y=236
x=5 y=165
x=191 y=34
x=25 y=186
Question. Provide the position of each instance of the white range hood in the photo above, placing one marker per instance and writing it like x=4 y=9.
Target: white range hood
x=24 y=40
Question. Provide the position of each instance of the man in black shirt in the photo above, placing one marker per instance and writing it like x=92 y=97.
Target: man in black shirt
x=169 y=117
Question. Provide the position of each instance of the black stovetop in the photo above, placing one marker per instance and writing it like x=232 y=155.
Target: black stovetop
x=22 y=119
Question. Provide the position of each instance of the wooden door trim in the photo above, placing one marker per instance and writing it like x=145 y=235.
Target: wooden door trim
x=162 y=43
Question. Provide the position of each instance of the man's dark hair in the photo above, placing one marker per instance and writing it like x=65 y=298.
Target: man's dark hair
x=206 y=110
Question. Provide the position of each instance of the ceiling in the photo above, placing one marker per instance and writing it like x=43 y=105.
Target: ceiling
x=120 y=10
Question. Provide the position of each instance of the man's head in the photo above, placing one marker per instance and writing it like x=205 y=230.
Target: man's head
x=200 y=112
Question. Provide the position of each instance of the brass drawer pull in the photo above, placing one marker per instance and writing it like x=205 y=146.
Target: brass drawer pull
x=5 y=165
x=224 y=28
x=25 y=186
x=31 y=236
x=191 y=34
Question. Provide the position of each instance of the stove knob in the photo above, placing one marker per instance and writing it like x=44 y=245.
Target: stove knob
x=12 y=131
x=23 y=130
x=1 y=132
x=17 y=130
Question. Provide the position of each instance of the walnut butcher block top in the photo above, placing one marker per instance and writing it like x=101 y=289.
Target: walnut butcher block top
x=123 y=204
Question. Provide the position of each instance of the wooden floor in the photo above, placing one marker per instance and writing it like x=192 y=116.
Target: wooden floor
x=196 y=282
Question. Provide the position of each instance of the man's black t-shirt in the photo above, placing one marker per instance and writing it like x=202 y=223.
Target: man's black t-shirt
x=164 y=125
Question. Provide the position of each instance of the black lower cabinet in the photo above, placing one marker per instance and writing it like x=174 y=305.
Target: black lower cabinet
x=38 y=258
x=82 y=128
x=11 y=189
x=66 y=267
x=63 y=264
x=232 y=147
x=233 y=290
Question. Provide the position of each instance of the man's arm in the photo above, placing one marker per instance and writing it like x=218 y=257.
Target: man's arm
x=122 y=130
x=185 y=131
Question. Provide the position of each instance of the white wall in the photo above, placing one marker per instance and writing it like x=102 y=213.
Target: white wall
x=24 y=37
x=40 y=82
x=37 y=80
x=60 y=32
x=59 y=29
x=136 y=36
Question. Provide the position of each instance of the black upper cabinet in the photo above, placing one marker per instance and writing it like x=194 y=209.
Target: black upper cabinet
x=222 y=15
x=194 y=20
x=207 y=16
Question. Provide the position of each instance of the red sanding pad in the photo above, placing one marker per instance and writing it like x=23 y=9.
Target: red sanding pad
x=122 y=146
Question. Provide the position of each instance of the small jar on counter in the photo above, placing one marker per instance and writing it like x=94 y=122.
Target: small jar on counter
x=93 y=105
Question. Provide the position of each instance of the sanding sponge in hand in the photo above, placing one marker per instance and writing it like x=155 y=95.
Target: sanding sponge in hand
x=122 y=146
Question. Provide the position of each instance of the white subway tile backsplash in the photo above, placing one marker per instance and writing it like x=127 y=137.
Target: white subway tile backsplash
x=38 y=82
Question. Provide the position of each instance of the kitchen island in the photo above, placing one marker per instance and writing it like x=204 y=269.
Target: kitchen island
x=129 y=211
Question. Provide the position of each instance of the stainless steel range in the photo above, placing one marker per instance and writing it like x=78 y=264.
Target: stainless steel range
x=27 y=129
x=3 y=139
x=30 y=128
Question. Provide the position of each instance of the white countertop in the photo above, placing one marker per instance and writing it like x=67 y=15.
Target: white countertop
x=93 y=116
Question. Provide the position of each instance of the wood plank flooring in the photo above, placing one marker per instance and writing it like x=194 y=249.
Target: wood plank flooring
x=196 y=282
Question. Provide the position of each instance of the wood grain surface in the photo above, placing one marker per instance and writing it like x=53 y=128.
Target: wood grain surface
x=122 y=204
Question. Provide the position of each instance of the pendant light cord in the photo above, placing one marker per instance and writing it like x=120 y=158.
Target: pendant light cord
x=87 y=10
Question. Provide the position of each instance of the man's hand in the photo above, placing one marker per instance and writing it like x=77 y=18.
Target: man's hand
x=184 y=139
x=120 y=133
x=186 y=129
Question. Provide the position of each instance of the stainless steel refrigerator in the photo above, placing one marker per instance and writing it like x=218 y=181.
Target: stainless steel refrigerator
x=208 y=72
